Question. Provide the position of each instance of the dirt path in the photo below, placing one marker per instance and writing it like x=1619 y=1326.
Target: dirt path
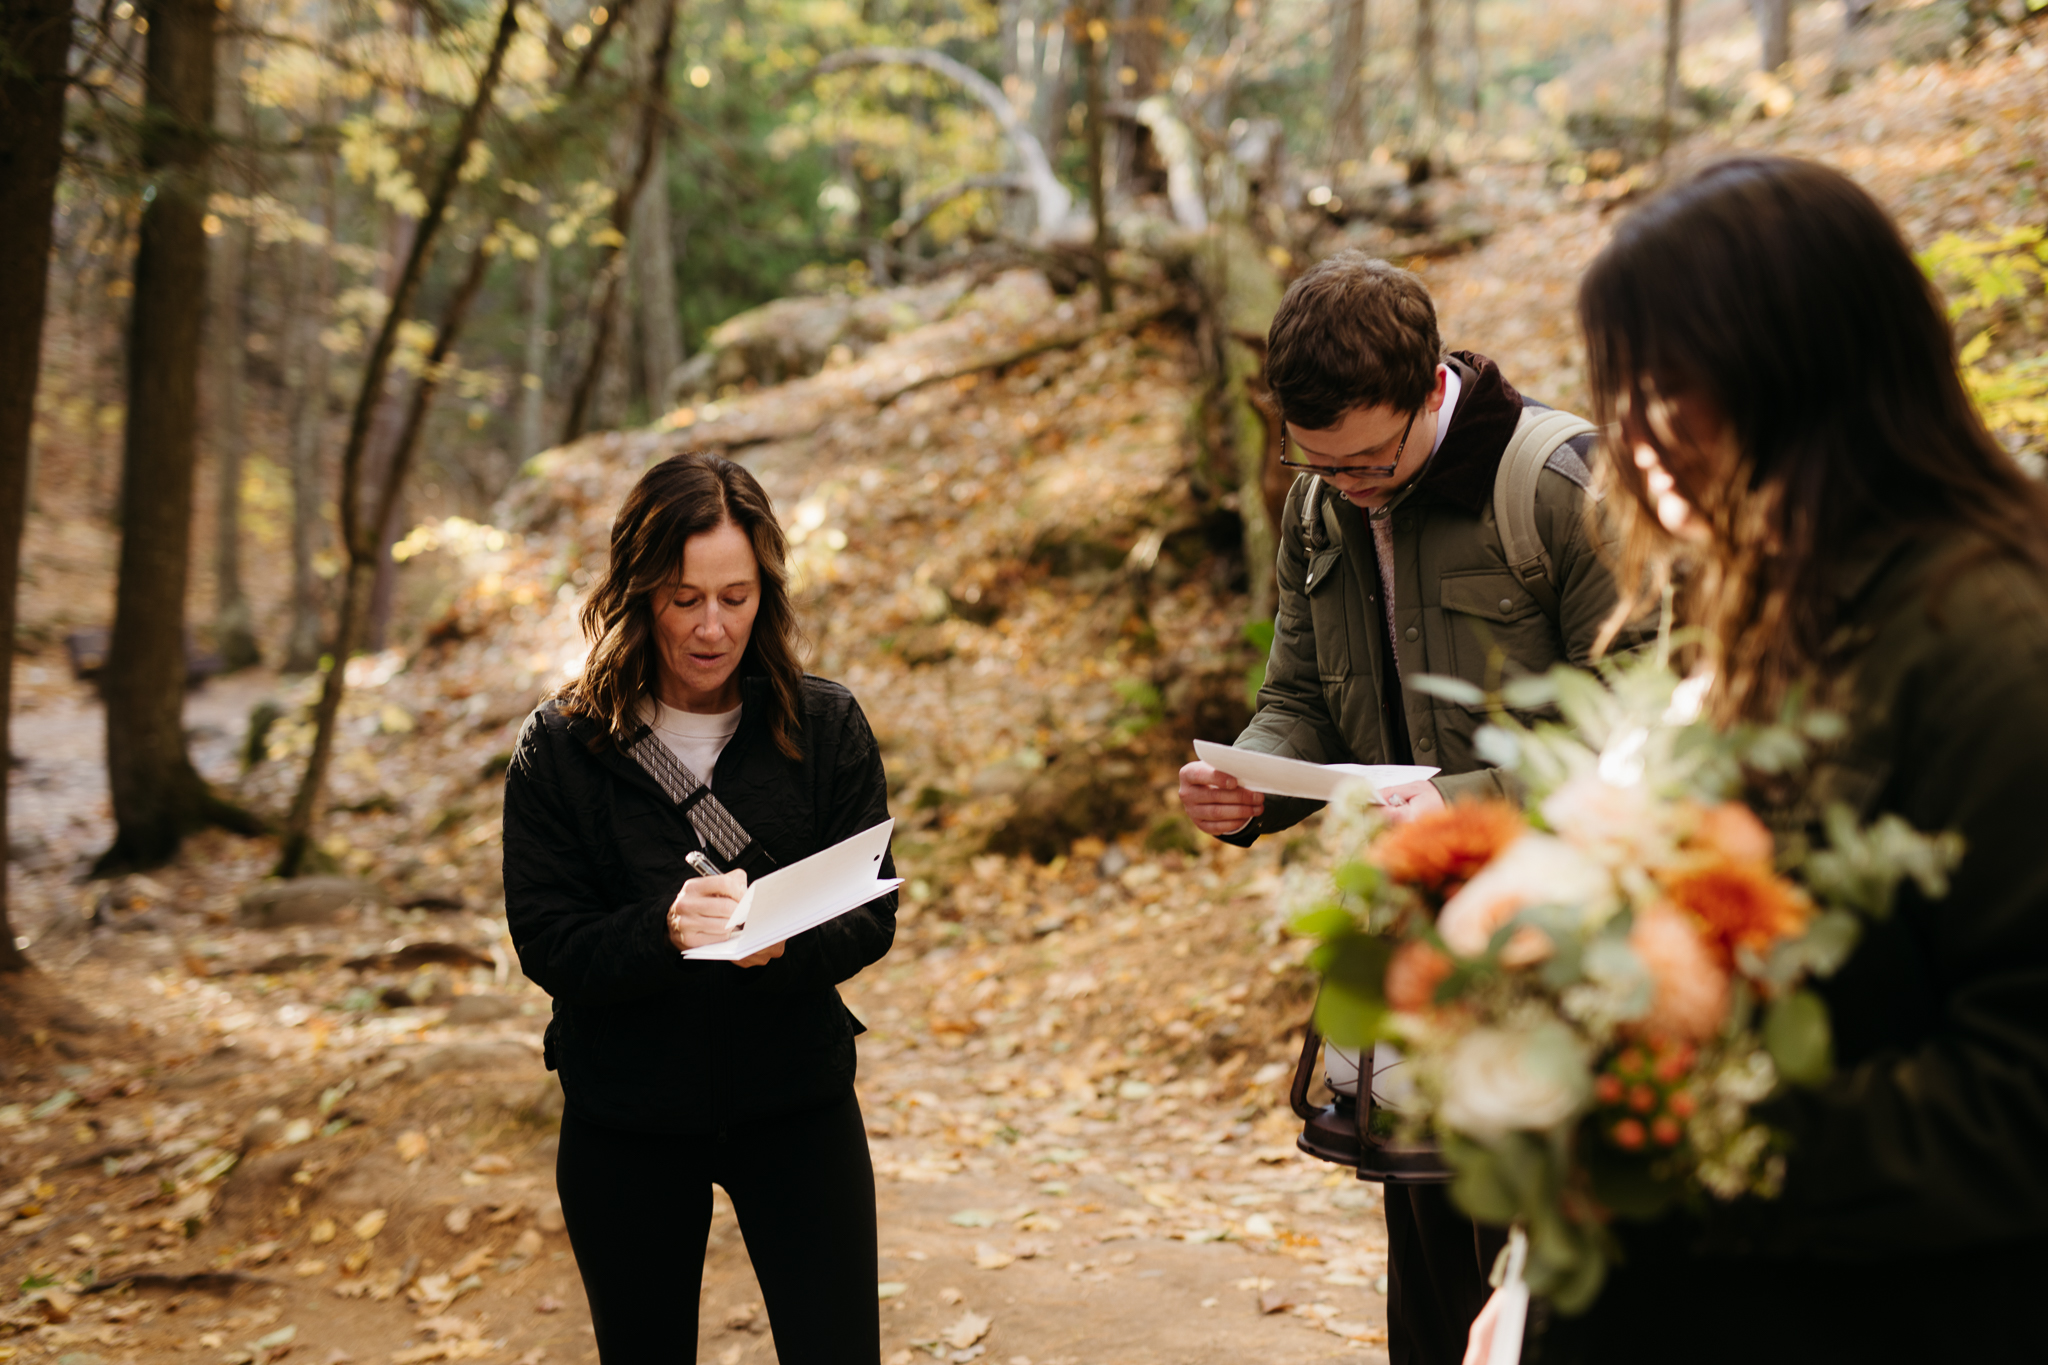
x=392 y=1194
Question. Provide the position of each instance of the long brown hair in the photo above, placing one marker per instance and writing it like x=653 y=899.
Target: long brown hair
x=1777 y=294
x=683 y=496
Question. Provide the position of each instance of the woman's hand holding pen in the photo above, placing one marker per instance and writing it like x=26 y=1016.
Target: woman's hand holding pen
x=702 y=910
x=702 y=913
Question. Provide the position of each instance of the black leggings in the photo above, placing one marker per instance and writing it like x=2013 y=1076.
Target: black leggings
x=638 y=1209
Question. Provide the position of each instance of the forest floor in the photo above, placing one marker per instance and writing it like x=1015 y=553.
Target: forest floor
x=332 y=1139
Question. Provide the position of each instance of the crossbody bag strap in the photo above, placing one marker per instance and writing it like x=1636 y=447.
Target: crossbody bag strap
x=716 y=828
x=1538 y=436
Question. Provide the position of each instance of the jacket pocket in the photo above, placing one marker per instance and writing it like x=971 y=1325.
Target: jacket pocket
x=1497 y=629
x=1322 y=567
x=1329 y=616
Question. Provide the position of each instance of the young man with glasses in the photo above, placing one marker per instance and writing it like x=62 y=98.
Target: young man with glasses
x=1391 y=566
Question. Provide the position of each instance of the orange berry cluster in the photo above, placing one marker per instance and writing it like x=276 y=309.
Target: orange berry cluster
x=1643 y=1096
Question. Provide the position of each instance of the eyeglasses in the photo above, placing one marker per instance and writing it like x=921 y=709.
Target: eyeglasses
x=1356 y=471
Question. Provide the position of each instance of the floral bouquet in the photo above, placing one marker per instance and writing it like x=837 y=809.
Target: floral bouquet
x=1596 y=993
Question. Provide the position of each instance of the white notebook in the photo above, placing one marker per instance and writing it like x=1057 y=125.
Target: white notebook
x=804 y=895
x=1277 y=776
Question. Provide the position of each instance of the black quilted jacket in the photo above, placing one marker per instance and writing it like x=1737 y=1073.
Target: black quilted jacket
x=594 y=850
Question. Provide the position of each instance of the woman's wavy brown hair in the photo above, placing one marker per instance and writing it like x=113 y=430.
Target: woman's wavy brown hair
x=683 y=496
x=1781 y=297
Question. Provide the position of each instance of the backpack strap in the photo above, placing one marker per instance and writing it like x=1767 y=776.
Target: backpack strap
x=1539 y=437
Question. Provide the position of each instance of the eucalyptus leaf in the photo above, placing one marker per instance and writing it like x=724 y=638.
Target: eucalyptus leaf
x=1800 y=1041
x=1324 y=921
x=1357 y=878
x=1829 y=940
x=1529 y=694
x=1581 y=697
x=1479 y=1184
x=1498 y=747
x=1352 y=1009
x=1352 y=1019
x=1450 y=689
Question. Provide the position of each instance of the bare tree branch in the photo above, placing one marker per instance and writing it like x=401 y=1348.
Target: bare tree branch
x=1055 y=202
x=361 y=537
x=915 y=216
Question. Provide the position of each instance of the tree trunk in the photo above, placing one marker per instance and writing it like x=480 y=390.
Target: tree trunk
x=1091 y=35
x=584 y=397
x=1474 y=72
x=233 y=624
x=158 y=796
x=1674 y=43
x=37 y=35
x=1049 y=82
x=1774 y=32
x=533 y=384
x=650 y=245
x=360 y=526
x=1425 y=76
x=308 y=425
x=1142 y=40
x=1347 y=83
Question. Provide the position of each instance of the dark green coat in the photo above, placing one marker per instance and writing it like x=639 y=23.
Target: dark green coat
x=1458 y=609
x=1914 y=1222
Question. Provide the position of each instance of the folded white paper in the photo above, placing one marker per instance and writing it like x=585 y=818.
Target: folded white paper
x=1277 y=776
x=804 y=895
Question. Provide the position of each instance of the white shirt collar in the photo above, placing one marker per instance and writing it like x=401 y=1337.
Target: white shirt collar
x=1452 y=384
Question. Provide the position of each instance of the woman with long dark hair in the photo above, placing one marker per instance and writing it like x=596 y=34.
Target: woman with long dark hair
x=1795 y=438
x=693 y=733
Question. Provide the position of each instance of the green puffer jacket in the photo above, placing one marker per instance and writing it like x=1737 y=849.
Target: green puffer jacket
x=1458 y=609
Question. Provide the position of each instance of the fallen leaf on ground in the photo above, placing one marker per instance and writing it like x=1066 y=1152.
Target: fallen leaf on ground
x=457 y=1221
x=412 y=1145
x=971 y=1327
x=480 y=1259
x=987 y=1257
x=322 y=1233
x=370 y=1224
x=448 y=1327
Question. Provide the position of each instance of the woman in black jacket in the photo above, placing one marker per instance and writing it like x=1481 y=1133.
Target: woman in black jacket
x=1784 y=382
x=693 y=729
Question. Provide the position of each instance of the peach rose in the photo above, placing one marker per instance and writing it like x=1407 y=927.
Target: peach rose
x=1689 y=999
x=1621 y=826
x=1537 y=869
x=1732 y=829
x=1413 y=974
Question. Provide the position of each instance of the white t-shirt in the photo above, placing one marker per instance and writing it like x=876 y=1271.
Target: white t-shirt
x=695 y=738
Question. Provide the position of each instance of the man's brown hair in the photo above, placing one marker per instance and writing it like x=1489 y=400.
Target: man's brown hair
x=1352 y=332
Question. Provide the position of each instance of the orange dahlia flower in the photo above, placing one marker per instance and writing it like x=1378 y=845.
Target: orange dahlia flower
x=1741 y=904
x=1439 y=852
